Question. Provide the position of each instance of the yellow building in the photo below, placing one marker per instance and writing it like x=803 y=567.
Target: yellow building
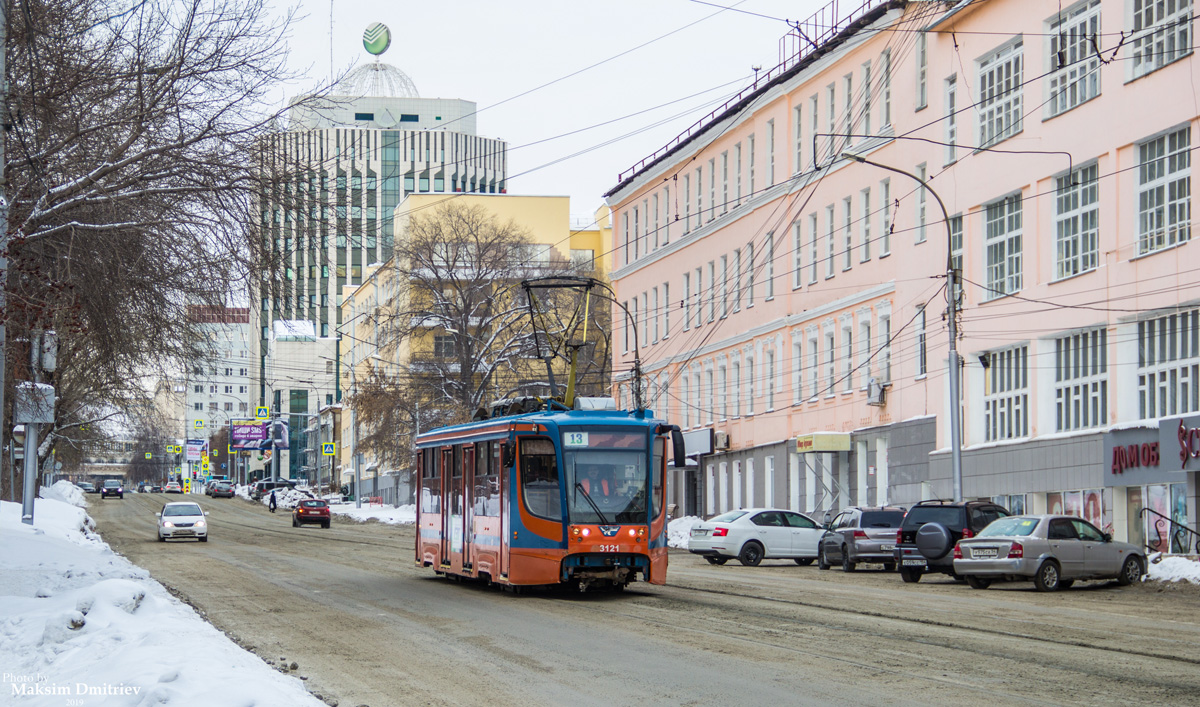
x=368 y=342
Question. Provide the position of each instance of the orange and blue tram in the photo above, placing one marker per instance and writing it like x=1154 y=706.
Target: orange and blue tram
x=548 y=497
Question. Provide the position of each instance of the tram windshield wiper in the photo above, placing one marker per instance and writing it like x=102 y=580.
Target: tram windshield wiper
x=588 y=497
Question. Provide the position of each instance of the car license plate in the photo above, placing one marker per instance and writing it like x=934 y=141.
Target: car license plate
x=913 y=563
x=699 y=531
x=983 y=552
x=183 y=532
x=887 y=548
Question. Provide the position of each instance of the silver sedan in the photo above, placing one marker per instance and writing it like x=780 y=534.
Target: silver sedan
x=1053 y=551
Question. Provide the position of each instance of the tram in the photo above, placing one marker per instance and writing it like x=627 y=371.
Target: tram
x=539 y=493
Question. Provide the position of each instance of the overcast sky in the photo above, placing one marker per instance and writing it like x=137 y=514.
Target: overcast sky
x=492 y=51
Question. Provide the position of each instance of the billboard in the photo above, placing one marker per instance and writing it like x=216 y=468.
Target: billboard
x=195 y=449
x=248 y=434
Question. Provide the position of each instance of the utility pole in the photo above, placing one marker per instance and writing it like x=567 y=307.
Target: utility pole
x=4 y=227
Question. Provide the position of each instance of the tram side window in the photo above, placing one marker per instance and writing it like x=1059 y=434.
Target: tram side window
x=656 y=476
x=539 y=478
x=487 y=480
x=431 y=487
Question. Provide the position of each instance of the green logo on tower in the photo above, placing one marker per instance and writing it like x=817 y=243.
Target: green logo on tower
x=377 y=38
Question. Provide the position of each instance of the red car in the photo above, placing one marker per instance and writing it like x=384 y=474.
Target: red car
x=311 y=512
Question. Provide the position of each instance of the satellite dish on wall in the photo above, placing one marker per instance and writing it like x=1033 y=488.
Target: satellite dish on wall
x=377 y=38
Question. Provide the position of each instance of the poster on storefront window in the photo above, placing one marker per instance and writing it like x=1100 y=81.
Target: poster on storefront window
x=1016 y=504
x=1093 y=507
x=1137 y=524
x=1073 y=503
x=1054 y=504
x=1158 y=499
x=1179 y=540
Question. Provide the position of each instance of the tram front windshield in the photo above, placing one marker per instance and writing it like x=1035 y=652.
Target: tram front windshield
x=607 y=485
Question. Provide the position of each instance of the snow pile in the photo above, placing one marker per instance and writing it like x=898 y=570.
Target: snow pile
x=404 y=515
x=680 y=529
x=78 y=621
x=242 y=491
x=286 y=499
x=1173 y=569
x=66 y=492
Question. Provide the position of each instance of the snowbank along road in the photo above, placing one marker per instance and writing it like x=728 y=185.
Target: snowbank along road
x=367 y=627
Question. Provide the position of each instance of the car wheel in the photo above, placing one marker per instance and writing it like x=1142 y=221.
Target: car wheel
x=978 y=582
x=161 y=539
x=714 y=560
x=804 y=561
x=325 y=525
x=1131 y=571
x=203 y=538
x=910 y=575
x=822 y=561
x=1046 y=579
x=751 y=554
x=847 y=565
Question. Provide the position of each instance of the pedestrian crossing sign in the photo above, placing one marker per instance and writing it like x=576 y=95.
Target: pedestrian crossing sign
x=329 y=449
x=198 y=424
x=262 y=412
x=147 y=455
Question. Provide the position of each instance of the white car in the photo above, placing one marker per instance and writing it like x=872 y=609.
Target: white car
x=756 y=534
x=182 y=519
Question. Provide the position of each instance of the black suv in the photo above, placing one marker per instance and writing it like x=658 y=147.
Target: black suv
x=925 y=541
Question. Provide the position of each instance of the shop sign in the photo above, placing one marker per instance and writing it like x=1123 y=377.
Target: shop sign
x=823 y=442
x=1134 y=455
x=1189 y=443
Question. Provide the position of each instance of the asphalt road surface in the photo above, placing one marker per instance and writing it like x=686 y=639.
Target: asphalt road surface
x=367 y=627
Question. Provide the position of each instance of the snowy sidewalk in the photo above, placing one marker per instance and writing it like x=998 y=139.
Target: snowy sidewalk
x=82 y=625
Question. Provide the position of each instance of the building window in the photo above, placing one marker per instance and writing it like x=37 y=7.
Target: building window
x=1076 y=220
x=737 y=174
x=198 y=407
x=1162 y=32
x=724 y=182
x=866 y=109
x=724 y=286
x=199 y=388
x=797 y=250
x=699 y=297
x=831 y=118
x=1081 y=380
x=814 y=121
x=625 y=230
x=956 y=252
x=1164 y=191
x=770 y=372
x=847 y=109
x=228 y=407
x=830 y=364
x=797 y=372
x=736 y=386
x=750 y=148
x=699 y=196
x=749 y=274
x=769 y=285
x=666 y=310
x=666 y=229
x=798 y=127
x=637 y=233
x=885 y=348
x=709 y=402
x=864 y=347
x=685 y=401
x=750 y=381
x=1072 y=53
x=687 y=301
x=885 y=90
x=1000 y=94
x=687 y=205
x=814 y=368
x=922 y=356
x=885 y=218
x=737 y=280
x=712 y=291
x=865 y=222
x=922 y=70
x=212 y=407
x=712 y=189
x=722 y=393
x=625 y=328
x=830 y=240
x=812 y=248
x=1006 y=394
x=952 y=120
x=847 y=358
x=922 y=201
x=1169 y=365
x=443 y=346
x=1002 y=244
x=654 y=315
x=770 y=153
x=847 y=232
x=654 y=245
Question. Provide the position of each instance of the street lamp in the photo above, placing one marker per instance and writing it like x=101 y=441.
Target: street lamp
x=951 y=286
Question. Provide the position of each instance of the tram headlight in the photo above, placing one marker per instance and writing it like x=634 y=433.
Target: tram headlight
x=632 y=532
x=641 y=533
x=575 y=531
x=587 y=532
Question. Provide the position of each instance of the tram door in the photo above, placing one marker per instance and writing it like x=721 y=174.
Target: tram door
x=468 y=487
x=447 y=501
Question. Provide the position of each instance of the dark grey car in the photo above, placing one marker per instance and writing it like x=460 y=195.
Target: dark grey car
x=859 y=535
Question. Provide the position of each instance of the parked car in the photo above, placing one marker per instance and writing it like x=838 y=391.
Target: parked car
x=86 y=487
x=265 y=487
x=926 y=538
x=311 y=511
x=221 y=489
x=173 y=487
x=155 y=489
x=1053 y=551
x=112 y=487
x=858 y=535
x=182 y=519
x=756 y=534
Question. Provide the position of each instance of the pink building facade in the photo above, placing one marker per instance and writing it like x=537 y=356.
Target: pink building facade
x=788 y=303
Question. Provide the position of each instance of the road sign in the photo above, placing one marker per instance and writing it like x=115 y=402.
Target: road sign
x=262 y=412
x=198 y=424
x=204 y=465
x=147 y=455
x=187 y=486
x=178 y=470
x=329 y=449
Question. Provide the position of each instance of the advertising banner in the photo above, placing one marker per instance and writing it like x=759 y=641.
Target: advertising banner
x=195 y=449
x=248 y=434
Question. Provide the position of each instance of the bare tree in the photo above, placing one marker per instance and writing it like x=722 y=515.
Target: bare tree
x=133 y=128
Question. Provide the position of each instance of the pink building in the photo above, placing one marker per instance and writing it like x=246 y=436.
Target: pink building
x=792 y=300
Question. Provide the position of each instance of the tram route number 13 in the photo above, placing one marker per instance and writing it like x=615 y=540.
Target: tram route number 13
x=576 y=439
